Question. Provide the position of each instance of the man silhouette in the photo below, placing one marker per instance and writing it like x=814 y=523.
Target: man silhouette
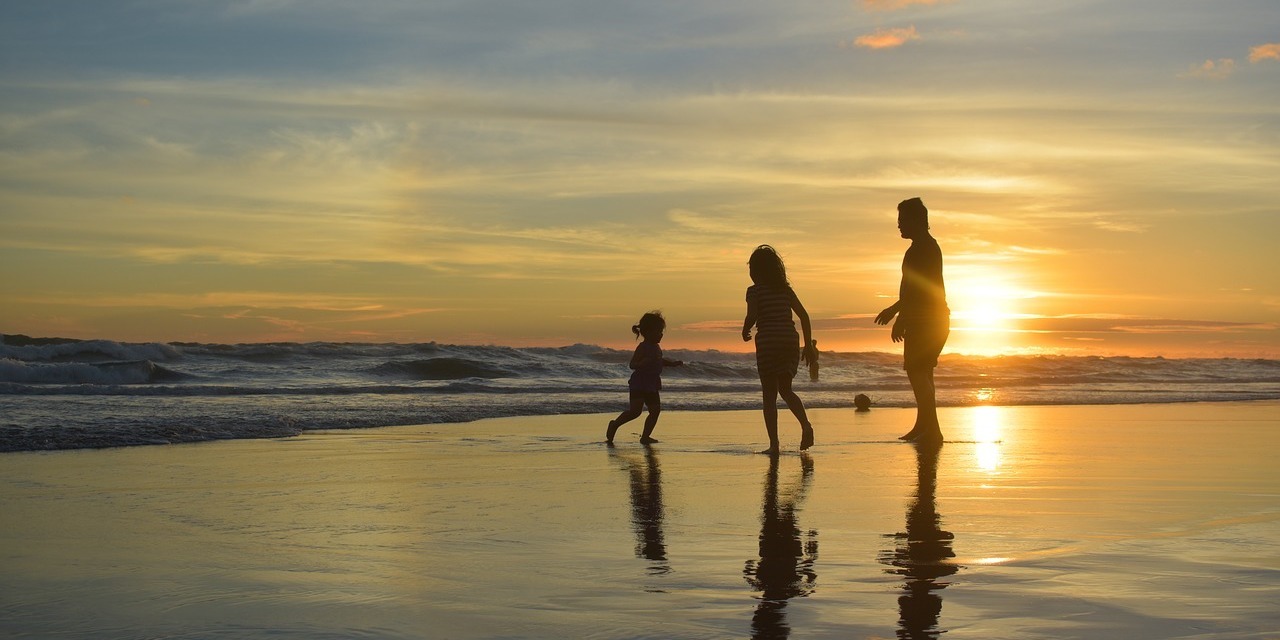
x=924 y=321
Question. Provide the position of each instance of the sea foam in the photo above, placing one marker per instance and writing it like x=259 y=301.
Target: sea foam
x=70 y=394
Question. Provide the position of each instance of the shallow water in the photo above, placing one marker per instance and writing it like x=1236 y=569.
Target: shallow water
x=1152 y=521
x=99 y=393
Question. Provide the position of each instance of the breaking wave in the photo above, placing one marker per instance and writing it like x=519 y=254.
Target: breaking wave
x=59 y=393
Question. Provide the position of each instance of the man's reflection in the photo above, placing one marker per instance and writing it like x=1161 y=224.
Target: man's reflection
x=921 y=555
x=646 y=507
x=785 y=568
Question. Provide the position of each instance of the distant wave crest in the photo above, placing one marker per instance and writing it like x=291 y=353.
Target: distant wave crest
x=92 y=373
x=444 y=368
x=89 y=351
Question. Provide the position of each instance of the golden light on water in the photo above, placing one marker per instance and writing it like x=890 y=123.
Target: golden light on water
x=995 y=560
x=988 y=425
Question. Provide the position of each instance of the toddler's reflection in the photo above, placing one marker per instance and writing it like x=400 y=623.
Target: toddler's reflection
x=646 y=507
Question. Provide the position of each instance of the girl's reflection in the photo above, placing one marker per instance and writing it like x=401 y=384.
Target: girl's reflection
x=785 y=568
x=646 y=507
x=921 y=554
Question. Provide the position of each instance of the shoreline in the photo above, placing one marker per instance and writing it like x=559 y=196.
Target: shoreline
x=669 y=409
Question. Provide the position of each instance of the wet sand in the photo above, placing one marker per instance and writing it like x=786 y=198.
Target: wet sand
x=1139 y=521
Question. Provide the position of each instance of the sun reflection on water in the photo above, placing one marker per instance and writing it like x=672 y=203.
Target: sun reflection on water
x=997 y=560
x=988 y=424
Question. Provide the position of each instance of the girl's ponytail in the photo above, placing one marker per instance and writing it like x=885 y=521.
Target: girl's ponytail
x=649 y=322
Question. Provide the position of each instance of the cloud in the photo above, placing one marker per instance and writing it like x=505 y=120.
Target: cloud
x=1221 y=68
x=1103 y=324
x=887 y=38
x=1224 y=67
x=1063 y=325
x=1269 y=51
x=894 y=5
x=1122 y=226
x=715 y=326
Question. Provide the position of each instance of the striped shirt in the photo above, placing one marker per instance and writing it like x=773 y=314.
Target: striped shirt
x=777 y=343
x=773 y=308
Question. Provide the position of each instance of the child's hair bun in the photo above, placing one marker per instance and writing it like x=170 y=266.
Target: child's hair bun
x=652 y=321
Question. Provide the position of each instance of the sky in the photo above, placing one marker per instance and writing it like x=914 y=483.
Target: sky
x=1103 y=177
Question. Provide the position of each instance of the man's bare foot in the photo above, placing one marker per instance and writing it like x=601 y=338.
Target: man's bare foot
x=771 y=451
x=929 y=439
x=613 y=428
x=648 y=440
x=910 y=436
x=806 y=437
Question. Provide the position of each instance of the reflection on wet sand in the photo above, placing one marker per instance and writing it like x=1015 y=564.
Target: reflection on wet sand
x=646 y=507
x=921 y=555
x=785 y=567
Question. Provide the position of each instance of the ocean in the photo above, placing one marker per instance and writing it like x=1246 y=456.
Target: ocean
x=59 y=394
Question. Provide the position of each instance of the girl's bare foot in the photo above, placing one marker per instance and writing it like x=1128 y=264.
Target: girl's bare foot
x=806 y=437
x=648 y=440
x=613 y=428
x=771 y=451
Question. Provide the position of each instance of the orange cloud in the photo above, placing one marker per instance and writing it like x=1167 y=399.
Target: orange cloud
x=1269 y=51
x=887 y=38
x=1218 y=69
x=894 y=5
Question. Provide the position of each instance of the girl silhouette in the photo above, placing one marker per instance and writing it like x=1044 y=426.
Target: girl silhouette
x=770 y=303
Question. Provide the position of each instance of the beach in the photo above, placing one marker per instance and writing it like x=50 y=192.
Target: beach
x=1119 y=521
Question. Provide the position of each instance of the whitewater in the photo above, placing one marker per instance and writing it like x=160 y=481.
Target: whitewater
x=63 y=394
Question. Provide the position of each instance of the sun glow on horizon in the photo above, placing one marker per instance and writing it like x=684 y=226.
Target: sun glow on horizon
x=985 y=306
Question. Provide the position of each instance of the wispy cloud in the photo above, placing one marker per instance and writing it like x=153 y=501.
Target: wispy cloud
x=1122 y=226
x=1064 y=324
x=894 y=5
x=1125 y=324
x=1212 y=69
x=1269 y=51
x=714 y=326
x=887 y=38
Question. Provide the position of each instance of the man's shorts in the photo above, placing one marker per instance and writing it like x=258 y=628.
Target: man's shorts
x=923 y=341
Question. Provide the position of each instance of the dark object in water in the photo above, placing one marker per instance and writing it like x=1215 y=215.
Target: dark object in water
x=861 y=402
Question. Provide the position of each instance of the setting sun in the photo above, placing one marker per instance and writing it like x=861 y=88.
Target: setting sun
x=984 y=307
